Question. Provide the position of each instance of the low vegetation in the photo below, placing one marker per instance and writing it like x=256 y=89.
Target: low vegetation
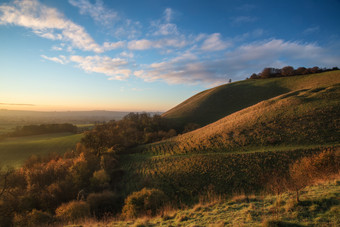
x=319 y=206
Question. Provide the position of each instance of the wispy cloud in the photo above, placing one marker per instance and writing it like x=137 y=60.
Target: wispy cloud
x=61 y=59
x=168 y=14
x=48 y=23
x=111 y=19
x=214 y=43
x=237 y=64
x=311 y=30
x=242 y=19
x=112 y=67
x=16 y=104
x=164 y=26
x=145 y=44
x=97 y=11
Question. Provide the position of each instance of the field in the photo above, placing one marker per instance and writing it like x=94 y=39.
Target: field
x=14 y=151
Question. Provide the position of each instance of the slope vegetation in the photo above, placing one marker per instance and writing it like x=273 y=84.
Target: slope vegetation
x=213 y=104
x=301 y=117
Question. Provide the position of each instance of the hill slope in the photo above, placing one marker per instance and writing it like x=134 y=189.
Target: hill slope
x=213 y=104
x=302 y=117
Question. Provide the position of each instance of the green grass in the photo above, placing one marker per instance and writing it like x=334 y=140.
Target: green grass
x=319 y=206
x=213 y=104
x=14 y=151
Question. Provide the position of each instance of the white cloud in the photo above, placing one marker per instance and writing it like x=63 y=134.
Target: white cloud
x=48 y=23
x=214 y=43
x=142 y=44
x=126 y=54
x=61 y=59
x=114 y=45
x=97 y=11
x=112 y=67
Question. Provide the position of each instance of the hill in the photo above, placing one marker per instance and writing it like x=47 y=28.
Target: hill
x=301 y=117
x=211 y=105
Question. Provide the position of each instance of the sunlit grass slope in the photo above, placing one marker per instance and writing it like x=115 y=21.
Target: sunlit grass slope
x=301 y=117
x=15 y=150
x=319 y=206
x=213 y=104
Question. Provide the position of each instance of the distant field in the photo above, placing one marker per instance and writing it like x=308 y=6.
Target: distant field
x=14 y=151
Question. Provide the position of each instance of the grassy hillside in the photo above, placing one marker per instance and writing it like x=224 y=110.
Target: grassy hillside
x=14 y=151
x=302 y=117
x=213 y=104
x=319 y=206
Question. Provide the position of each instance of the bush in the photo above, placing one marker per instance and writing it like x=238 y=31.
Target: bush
x=144 y=202
x=73 y=210
x=102 y=203
x=33 y=218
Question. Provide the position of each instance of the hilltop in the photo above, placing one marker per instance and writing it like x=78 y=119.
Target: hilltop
x=213 y=104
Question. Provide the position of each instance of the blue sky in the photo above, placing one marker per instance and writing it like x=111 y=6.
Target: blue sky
x=150 y=55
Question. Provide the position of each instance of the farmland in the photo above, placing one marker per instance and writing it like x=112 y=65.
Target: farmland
x=14 y=151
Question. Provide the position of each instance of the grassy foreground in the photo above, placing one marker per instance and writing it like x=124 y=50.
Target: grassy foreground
x=15 y=150
x=319 y=206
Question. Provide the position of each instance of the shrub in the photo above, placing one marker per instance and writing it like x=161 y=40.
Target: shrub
x=100 y=179
x=73 y=210
x=33 y=218
x=102 y=203
x=144 y=202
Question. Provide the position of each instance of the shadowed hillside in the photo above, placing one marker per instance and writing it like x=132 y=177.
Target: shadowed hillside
x=213 y=104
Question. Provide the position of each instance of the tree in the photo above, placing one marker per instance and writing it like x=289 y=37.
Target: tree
x=287 y=71
x=300 y=71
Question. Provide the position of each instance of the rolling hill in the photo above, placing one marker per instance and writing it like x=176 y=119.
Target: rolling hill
x=213 y=104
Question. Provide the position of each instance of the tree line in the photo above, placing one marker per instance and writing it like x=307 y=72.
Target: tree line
x=270 y=72
x=29 y=130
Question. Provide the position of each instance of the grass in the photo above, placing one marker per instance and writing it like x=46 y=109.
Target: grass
x=319 y=206
x=307 y=117
x=215 y=103
x=15 y=150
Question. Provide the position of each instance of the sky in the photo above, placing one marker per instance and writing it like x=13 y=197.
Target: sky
x=150 y=55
